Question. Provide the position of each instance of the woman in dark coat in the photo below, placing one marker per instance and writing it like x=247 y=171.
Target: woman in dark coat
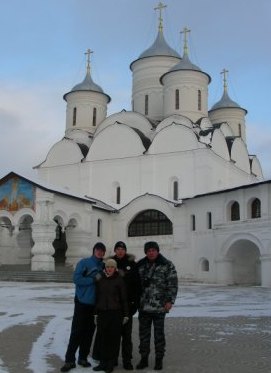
x=111 y=313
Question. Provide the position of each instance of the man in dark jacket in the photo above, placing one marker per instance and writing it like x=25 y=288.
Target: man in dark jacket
x=87 y=272
x=127 y=269
x=159 y=285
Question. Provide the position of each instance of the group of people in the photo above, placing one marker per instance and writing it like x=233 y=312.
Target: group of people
x=108 y=292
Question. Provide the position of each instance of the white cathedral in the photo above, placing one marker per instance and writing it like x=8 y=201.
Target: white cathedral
x=171 y=170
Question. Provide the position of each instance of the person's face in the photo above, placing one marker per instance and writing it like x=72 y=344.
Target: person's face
x=152 y=254
x=110 y=270
x=99 y=253
x=120 y=252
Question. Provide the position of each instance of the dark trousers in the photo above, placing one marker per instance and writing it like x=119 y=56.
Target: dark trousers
x=82 y=331
x=109 y=324
x=145 y=322
x=126 y=340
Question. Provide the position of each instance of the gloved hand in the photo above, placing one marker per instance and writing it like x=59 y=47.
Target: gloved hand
x=98 y=276
x=125 y=320
x=95 y=319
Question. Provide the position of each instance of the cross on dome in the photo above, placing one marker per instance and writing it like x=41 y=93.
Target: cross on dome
x=225 y=83
x=185 y=47
x=160 y=7
x=88 y=53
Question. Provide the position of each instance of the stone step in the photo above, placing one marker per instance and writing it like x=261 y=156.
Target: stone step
x=35 y=276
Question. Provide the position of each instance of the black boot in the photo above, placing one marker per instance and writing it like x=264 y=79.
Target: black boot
x=127 y=365
x=143 y=363
x=109 y=366
x=100 y=367
x=158 y=364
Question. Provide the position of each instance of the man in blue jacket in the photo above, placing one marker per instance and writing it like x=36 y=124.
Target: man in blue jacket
x=87 y=272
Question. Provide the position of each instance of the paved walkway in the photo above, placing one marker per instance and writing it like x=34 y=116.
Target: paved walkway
x=194 y=345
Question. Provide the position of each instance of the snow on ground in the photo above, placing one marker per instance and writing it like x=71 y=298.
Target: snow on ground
x=27 y=303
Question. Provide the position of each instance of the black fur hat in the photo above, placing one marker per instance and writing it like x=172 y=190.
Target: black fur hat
x=151 y=245
x=99 y=246
x=120 y=244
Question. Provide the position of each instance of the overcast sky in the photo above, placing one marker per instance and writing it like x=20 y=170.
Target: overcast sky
x=42 y=58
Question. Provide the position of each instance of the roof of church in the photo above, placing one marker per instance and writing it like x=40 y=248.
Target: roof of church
x=159 y=48
x=225 y=102
x=61 y=191
x=87 y=85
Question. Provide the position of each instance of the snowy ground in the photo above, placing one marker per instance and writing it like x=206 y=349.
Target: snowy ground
x=25 y=304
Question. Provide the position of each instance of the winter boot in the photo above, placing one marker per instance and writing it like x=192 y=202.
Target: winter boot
x=158 y=363
x=143 y=363
x=67 y=367
x=127 y=365
x=100 y=367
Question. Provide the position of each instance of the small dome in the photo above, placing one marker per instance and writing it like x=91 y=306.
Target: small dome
x=185 y=64
x=87 y=85
x=159 y=48
x=225 y=102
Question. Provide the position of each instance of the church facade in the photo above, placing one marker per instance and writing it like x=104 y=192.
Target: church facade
x=171 y=170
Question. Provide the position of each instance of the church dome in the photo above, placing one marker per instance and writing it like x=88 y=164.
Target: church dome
x=159 y=48
x=225 y=102
x=185 y=64
x=87 y=85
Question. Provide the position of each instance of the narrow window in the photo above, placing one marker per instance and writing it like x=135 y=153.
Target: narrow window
x=99 y=228
x=239 y=130
x=199 y=100
x=94 y=116
x=146 y=104
x=256 y=209
x=193 y=222
x=175 y=190
x=177 y=99
x=74 y=116
x=235 y=211
x=209 y=220
x=118 y=195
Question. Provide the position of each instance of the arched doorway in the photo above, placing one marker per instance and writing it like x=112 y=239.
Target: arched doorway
x=59 y=243
x=245 y=258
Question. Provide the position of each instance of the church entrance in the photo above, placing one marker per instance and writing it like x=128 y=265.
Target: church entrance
x=245 y=258
x=60 y=244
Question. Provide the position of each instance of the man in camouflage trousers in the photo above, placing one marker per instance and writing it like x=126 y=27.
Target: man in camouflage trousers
x=159 y=287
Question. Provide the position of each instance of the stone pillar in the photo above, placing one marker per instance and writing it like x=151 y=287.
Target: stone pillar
x=43 y=233
x=224 y=271
x=266 y=270
x=79 y=245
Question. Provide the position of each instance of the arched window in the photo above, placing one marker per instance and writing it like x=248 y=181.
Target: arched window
x=205 y=265
x=146 y=104
x=235 y=211
x=209 y=220
x=193 y=222
x=239 y=130
x=177 y=99
x=99 y=228
x=118 y=195
x=256 y=208
x=199 y=100
x=94 y=117
x=175 y=190
x=74 y=116
x=150 y=223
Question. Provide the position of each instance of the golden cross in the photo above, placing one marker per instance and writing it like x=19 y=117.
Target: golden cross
x=159 y=7
x=88 y=53
x=224 y=72
x=185 y=47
